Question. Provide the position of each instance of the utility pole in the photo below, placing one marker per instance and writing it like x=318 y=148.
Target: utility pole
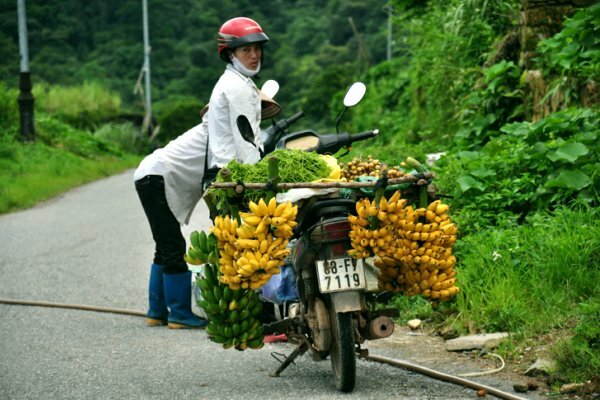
x=25 y=98
x=389 y=32
x=147 y=125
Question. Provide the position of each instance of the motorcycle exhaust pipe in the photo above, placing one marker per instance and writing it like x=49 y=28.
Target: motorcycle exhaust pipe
x=379 y=328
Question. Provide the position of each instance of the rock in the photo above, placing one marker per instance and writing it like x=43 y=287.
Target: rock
x=521 y=387
x=541 y=366
x=480 y=341
x=571 y=388
x=415 y=324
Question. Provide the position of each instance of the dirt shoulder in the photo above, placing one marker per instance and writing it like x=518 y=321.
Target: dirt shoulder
x=429 y=350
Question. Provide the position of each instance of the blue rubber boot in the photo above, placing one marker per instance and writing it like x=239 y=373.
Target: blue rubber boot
x=158 y=314
x=178 y=293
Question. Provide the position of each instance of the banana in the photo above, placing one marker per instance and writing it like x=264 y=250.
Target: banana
x=290 y=212
x=432 y=206
x=262 y=227
x=195 y=239
x=392 y=207
x=263 y=209
x=395 y=197
x=383 y=204
x=263 y=246
x=277 y=221
x=382 y=216
x=272 y=206
x=254 y=208
x=251 y=219
x=441 y=209
x=279 y=209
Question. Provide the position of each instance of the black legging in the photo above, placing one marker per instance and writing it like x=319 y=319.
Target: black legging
x=166 y=230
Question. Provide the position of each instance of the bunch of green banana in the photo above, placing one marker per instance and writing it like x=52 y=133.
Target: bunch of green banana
x=253 y=251
x=232 y=314
x=199 y=250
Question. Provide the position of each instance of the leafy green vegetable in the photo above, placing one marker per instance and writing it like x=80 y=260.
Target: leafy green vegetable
x=293 y=166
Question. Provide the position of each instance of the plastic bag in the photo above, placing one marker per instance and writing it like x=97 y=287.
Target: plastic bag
x=281 y=287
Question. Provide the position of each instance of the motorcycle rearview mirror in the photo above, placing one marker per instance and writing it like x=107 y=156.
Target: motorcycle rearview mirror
x=245 y=129
x=353 y=96
x=270 y=88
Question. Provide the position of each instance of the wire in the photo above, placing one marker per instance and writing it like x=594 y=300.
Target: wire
x=491 y=371
x=443 y=377
x=73 y=307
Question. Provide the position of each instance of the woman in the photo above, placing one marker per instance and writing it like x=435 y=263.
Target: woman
x=169 y=181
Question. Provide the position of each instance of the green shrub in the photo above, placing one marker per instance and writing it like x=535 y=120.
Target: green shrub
x=496 y=100
x=532 y=166
x=176 y=118
x=56 y=133
x=575 y=50
x=84 y=106
x=9 y=112
x=126 y=137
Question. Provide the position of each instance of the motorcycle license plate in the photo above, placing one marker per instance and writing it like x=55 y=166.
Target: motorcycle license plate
x=341 y=274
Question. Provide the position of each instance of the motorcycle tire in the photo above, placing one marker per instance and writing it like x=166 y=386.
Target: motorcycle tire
x=342 y=351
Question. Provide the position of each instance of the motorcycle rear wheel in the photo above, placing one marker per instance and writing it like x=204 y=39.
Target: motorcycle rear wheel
x=343 y=355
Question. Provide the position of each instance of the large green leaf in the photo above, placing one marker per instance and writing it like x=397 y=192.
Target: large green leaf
x=568 y=152
x=570 y=179
x=483 y=172
x=467 y=182
x=468 y=155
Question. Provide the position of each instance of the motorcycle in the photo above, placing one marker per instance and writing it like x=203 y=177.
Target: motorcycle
x=335 y=312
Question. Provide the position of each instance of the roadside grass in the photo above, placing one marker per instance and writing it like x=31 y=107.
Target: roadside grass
x=530 y=278
x=62 y=155
x=37 y=172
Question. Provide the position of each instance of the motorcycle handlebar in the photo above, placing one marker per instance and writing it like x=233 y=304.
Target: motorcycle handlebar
x=294 y=117
x=364 y=135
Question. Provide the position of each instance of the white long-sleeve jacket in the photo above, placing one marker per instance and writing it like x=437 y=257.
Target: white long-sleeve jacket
x=182 y=161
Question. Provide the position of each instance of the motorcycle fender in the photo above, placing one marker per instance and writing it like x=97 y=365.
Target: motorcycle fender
x=346 y=301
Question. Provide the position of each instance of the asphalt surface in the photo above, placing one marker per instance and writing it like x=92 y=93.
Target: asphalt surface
x=92 y=246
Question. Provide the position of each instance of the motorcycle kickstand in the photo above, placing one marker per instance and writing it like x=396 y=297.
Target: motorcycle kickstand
x=301 y=349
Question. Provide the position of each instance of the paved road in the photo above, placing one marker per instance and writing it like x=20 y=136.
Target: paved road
x=92 y=246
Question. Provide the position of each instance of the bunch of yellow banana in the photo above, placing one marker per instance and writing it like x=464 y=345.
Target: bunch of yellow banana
x=232 y=314
x=372 y=229
x=391 y=276
x=253 y=251
x=427 y=260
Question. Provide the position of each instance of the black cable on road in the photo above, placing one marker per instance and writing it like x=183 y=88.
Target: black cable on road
x=73 y=307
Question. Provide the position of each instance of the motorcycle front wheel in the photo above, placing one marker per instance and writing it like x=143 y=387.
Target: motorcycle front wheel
x=342 y=351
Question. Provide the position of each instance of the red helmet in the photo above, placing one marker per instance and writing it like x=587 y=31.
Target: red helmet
x=239 y=31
